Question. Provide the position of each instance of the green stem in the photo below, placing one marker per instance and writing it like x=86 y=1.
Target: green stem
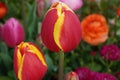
x=61 y=66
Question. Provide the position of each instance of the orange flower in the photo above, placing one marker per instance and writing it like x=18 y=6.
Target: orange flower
x=94 y=29
x=118 y=11
x=3 y=10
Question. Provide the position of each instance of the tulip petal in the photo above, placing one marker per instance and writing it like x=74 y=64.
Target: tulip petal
x=17 y=60
x=47 y=32
x=31 y=67
x=68 y=37
x=35 y=50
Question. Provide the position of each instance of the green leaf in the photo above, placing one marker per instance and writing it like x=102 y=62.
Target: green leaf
x=49 y=61
x=5 y=56
x=5 y=78
x=11 y=74
x=32 y=21
x=95 y=67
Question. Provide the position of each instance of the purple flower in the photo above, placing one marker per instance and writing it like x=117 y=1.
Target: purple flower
x=110 y=52
x=12 y=32
x=84 y=73
x=73 y=4
x=104 y=76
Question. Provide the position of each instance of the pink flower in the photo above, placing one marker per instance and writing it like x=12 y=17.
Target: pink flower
x=104 y=76
x=73 y=4
x=110 y=52
x=84 y=73
x=12 y=32
x=0 y=32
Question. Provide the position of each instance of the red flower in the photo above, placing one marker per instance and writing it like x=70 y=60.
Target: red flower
x=61 y=28
x=3 y=10
x=118 y=11
x=29 y=62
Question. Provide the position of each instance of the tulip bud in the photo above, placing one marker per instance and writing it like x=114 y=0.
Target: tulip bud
x=40 y=7
x=3 y=10
x=61 y=28
x=71 y=76
x=13 y=32
x=29 y=62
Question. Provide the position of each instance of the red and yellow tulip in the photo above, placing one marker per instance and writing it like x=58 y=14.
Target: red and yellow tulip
x=29 y=62
x=61 y=28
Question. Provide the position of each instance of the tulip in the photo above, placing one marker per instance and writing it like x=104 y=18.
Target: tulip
x=94 y=29
x=71 y=76
x=13 y=32
x=61 y=28
x=3 y=10
x=29 y=62
x=73 y=4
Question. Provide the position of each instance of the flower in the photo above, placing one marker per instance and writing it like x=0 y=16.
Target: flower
x=94 y=29
x=110 y=52
x=0 y=32
x=93 y=53
x=117 y=74
x=40 y=8
x=104 y=76
x=84 y=73
x=73 y=4
x=12 y=32
x=118 y=11
x=61 y=28
x=71 y=76
x=3 y=10
x=29 y=62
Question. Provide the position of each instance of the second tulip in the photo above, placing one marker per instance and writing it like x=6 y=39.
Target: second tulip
x=61 y=28
x=12 y=32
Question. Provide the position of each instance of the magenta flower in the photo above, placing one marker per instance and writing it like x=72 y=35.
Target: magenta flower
x=110 y=52
x=12 y=32
x=0 y=32
x=84 y=73
x=73 y=4
x=104 y=76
